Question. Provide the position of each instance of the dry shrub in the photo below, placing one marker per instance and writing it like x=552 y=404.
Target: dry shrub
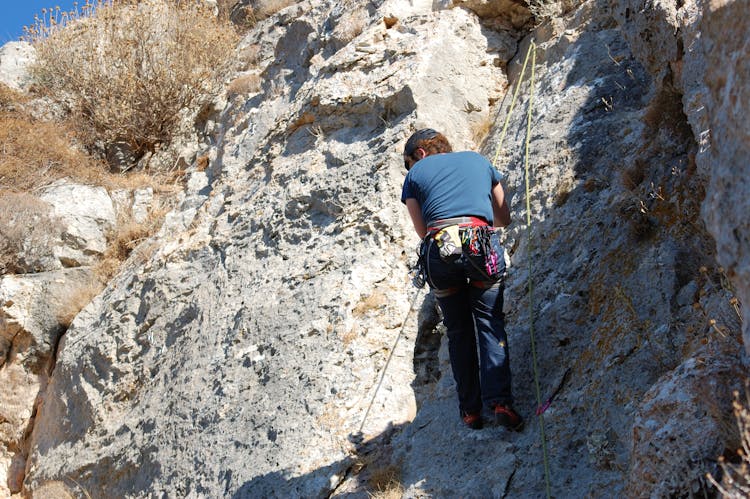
x=544 y=9
x=129 y=69
x=665 y=114
x=28 y=233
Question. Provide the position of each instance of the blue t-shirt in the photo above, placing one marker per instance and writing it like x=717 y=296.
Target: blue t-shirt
x=456 y=184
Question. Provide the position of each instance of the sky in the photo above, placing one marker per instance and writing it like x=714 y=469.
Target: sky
x=15 y=14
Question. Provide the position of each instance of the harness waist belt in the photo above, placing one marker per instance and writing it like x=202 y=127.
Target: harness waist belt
x=437 y=225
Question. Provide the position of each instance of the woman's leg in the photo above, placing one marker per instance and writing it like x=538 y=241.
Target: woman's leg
x=495 y=375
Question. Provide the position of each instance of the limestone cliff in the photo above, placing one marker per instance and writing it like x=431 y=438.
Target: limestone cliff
x=243 y=356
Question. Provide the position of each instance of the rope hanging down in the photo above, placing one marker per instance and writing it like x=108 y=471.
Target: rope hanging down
x=532 y=53
x=532 y=49
x=388 y=361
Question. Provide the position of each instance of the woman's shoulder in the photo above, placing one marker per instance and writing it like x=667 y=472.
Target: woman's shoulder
x=469 y=156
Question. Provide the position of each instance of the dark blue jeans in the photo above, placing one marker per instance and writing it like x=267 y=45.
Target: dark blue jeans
x=472 y=309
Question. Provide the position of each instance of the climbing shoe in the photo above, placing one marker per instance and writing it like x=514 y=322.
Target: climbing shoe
x=472 y=419
x=506 y=416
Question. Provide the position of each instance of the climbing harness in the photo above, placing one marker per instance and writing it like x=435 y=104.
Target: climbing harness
x=530 y=53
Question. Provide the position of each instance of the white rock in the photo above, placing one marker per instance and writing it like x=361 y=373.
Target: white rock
x=142 y=202
x=15 y=60
x=88 y=215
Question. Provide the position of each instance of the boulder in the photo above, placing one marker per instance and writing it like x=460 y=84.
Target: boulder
x=88 y=216
x=15 y=61
x=680 y=427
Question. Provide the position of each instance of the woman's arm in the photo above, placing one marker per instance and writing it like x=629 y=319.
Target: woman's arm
x=415 y=212
x=500 y=210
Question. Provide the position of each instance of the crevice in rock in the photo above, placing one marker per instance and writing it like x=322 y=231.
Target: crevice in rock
x=19 y=464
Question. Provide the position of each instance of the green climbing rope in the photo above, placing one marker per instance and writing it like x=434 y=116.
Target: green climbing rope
x=530 y=53
x=532 y=49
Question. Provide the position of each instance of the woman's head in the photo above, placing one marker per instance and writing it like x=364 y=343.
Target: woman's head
x=423 y=143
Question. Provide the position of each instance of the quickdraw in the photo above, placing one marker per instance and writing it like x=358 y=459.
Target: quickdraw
x=547 y=403
x=477 y=241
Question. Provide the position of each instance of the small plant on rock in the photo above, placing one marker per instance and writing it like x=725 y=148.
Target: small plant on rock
x=735 y=480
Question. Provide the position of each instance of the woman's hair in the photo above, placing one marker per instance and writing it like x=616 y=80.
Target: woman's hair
x=436 y=145
x=428 y=139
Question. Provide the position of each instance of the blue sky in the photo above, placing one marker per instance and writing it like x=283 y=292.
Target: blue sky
x=15 y=14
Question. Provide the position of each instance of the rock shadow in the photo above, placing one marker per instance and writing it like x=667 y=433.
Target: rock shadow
x=364 y=472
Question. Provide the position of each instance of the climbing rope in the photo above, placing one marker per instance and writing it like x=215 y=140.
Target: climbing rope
x=531 y=52
x=532 y=49
x=388 y=361
x=512 y=105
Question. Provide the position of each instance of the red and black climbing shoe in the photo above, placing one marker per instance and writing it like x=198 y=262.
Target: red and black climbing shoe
x=472 y=419
x=506 y=416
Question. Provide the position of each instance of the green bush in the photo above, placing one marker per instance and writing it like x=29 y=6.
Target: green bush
x=127 y=69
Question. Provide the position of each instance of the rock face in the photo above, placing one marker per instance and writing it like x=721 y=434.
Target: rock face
x=696 y=53
x=272 y=346
x=34 y=311
x=726 y=29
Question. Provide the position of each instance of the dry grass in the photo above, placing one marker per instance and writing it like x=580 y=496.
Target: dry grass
x=250 y=55
x=34 y=153
x=53 y=490
x=735 y=480
x=10 y=99
x=129 y=236
x=372 y=303
x=244 y=85
x=481 y=129
x=76 y=301
x=266 y=8
x=351 y=24
x=563 y=191
x=247 y=16
x=28 y=232
x=633 y=177
x=128 y=69
x=385 y=483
